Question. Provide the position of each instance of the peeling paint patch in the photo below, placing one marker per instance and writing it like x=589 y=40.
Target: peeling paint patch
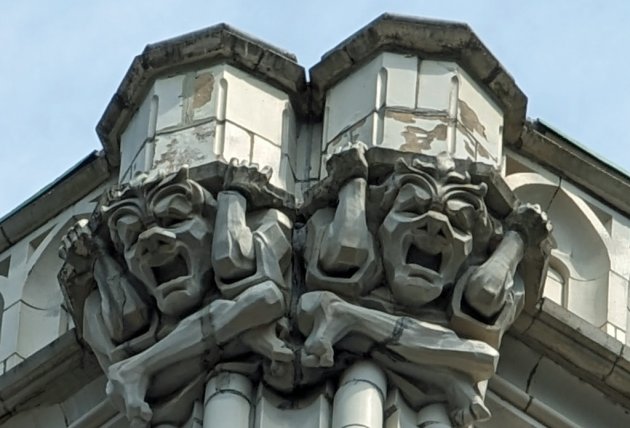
x=470 y=148
x=470 y=120
x=175 y=156
x=204 y=84
x=403 y=117
x=483 y=152
x=418 y=139
x=203 y=133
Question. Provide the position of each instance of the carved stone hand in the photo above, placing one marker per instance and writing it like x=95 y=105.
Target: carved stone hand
x=487 y=287
x=76 y=246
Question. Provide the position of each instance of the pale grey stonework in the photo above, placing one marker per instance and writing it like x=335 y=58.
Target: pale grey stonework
x=390 y=244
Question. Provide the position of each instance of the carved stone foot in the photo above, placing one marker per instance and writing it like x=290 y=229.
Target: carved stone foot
x=466 y=404
x=126 y=387
x=264 y=340
x=258 y=305
x=322 y=318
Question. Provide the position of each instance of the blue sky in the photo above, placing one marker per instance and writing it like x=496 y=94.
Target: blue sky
x=63 y=60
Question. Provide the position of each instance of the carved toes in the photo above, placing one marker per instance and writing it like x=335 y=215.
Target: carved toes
x=322 y=318
x=475 y=412
x=127 y=388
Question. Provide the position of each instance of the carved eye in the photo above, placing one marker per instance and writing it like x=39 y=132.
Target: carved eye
x=173 y=209
x=462 y=214
x=413 y=200
x=128 y=227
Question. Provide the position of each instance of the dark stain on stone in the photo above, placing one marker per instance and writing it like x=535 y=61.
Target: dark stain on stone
x=204 y=84
x=204 y=132
x=483 y=152
x=470 y=148
x=418 y=139
x=470 y=119
x=175 y=156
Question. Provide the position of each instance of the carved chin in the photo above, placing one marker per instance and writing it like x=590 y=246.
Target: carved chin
x=415 y=285
x=178 y=295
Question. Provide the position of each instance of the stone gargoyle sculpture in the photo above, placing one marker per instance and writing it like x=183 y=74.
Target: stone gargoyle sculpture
x=417 y=263
x=415 y=266
x=165 y=276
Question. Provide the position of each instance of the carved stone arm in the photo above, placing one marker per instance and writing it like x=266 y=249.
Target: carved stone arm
x=233 y=255
x=203 y=332
x=489 y=284
x=347 y=241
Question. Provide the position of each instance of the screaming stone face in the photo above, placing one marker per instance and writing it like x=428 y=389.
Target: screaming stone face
x=166 y=243
x=427 y=236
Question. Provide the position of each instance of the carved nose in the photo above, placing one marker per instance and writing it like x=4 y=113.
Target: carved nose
x=435 y=224
x=156 y=240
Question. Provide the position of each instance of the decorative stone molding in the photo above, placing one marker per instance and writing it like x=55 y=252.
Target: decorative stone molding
x=359 y=255
x=408 y=281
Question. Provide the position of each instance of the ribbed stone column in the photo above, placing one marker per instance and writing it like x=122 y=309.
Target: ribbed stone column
x=435 y=416
x=360 y=397
x=227 y=402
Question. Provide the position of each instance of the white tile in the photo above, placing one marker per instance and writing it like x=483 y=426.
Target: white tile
x=264 y=153
x=553 y=287
x=255 y=105
x=588 y=300
x=402 y=77
x=351 y=99
x=436 y=85
x=238 y=143
x=136 y=134
x=190 y=146
x=170 y=101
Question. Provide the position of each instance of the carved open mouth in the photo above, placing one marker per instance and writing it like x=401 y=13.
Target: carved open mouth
x=424 y=259
x=174 y=269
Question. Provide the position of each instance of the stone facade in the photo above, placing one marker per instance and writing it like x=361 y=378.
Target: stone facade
x=388 y=244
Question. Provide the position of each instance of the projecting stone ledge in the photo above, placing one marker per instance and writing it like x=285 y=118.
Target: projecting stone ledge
x=428 y=39
x=219 y=44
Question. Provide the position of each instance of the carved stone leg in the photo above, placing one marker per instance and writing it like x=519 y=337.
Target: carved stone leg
x=325 y=319
x=465 y=400
x=216 y=324
x=232 y=246
x=264 y=340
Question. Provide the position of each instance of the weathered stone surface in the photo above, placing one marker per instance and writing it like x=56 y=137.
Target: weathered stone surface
x=217 y=44
x=404 y=268
x=428 y=39
x=170 y=275
x=144 y=266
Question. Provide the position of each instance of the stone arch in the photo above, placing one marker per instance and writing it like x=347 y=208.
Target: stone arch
x=580 y=263
x=43 y=316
